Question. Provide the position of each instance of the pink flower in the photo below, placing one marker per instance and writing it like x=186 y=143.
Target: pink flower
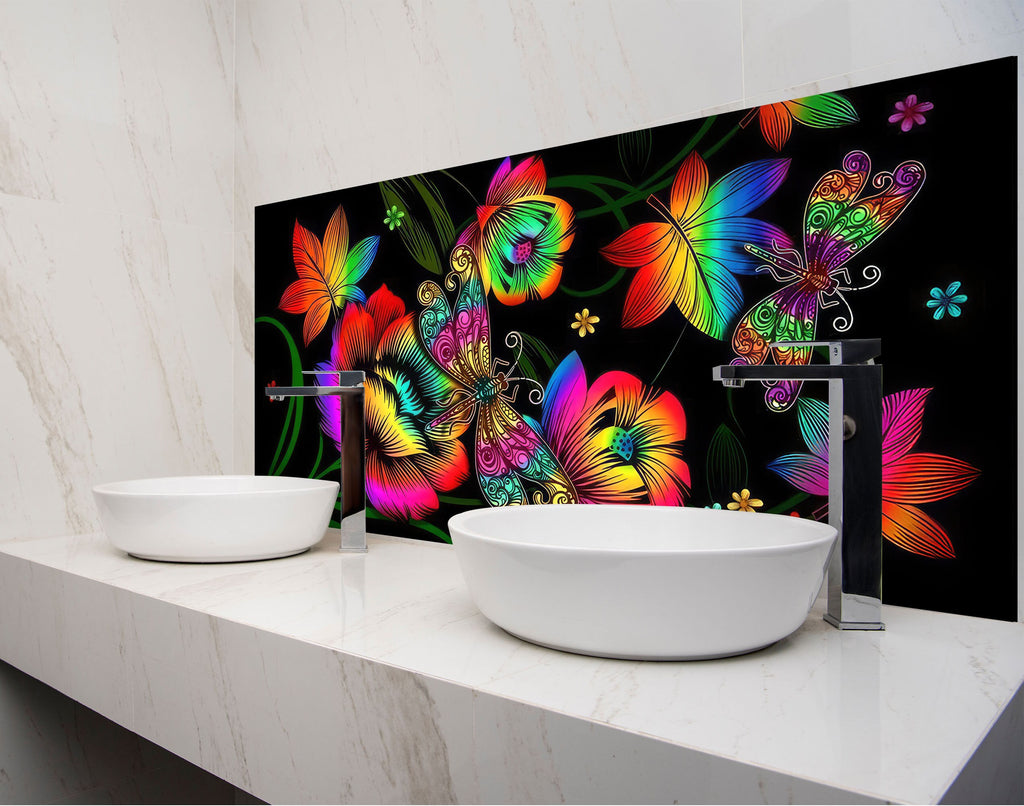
x=909 y=112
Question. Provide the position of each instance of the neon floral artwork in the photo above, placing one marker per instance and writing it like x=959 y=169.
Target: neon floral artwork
x=825 y=111
x=908 y=479
x=520 y=234
x=405 y=467
x=328 y=273
x=690 y=255
x=619 y=440
x=511 y=455
x=838 y=224
x=542 y=326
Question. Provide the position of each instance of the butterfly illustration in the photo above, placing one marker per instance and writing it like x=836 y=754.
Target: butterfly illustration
x=510 y=451
x=838 y=224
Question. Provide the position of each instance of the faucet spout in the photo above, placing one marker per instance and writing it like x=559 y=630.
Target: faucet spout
x=854 y=469
x=350 y=390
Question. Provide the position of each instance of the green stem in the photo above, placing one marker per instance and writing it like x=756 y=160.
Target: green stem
x=319 y=456
x=732 y=411
x=590 y=183
x=429 y=528
x=652 y=184
x=725 y=139
x=461 y=502
x=331 y=469
x=686 y=149
x=293 y=417
x=593 y=292
x=671 y=352
x=789 y=503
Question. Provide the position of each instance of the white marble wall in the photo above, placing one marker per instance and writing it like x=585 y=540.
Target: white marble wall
x=116 y=206
x=326 y=90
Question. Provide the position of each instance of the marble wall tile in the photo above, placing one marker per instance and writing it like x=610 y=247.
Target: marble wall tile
x=818 y=40
x=115 y=342
x=119 y=106
x=116 y=250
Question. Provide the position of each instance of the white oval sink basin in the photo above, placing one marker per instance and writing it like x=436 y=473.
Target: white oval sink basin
x=210 y=519
x=642 y=582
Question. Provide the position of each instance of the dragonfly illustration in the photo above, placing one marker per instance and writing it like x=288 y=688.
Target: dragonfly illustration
x=838 y=224
x=510 y=450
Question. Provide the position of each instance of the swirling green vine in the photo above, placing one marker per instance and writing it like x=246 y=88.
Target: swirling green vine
x=293 y=417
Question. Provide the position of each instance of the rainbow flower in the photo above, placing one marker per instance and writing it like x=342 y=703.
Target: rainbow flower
x=405 y=468
x=521 y=234
x=619 y=441
x=825 y=111
x=328 y=273
x=908 y=478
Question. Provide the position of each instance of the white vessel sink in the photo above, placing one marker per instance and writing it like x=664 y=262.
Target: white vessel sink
x=642 y=582
x=209 y=519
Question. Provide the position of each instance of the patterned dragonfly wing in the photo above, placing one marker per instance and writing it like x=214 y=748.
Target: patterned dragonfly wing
x=838 y=223
x=511 y=451
x=788 y=314
x=458 y=339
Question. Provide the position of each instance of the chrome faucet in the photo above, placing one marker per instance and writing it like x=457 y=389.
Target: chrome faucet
x=350 y=390
x=854 y=469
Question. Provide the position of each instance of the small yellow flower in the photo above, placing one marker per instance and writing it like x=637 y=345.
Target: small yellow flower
x=744 y=502
x=585 y=322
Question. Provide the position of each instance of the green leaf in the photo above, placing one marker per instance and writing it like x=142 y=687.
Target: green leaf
x=634 y=152
x=824 y=111
x=438 y=214
x=725 y=464
x=413 y=234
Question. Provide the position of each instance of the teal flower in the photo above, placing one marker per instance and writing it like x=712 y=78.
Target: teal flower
x=714 y=506
x=947 y=301
x=394 y=217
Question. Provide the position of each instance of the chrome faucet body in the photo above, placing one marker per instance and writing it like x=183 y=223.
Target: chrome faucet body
x=350 y=390
x=854 y=470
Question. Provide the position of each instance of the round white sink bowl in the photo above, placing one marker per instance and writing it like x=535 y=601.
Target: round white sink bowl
x=210 y=519
x=642 y=582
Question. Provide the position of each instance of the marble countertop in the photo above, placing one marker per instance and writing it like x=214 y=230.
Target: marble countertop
x=326 y=678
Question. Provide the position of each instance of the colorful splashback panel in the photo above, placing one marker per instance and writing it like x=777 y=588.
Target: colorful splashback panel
x=541 y=327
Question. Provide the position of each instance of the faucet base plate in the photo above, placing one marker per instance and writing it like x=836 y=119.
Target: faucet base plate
x=853 y=625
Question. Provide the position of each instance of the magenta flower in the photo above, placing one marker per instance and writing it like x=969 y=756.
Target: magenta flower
x=910 y=111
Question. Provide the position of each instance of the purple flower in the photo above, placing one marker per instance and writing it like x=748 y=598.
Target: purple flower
x=910 y=111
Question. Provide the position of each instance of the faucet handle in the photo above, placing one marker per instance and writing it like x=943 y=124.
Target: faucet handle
x=842 y=351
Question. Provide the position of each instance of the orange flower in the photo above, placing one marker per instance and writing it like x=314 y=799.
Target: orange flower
x=328 y=273
x=824 y=111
